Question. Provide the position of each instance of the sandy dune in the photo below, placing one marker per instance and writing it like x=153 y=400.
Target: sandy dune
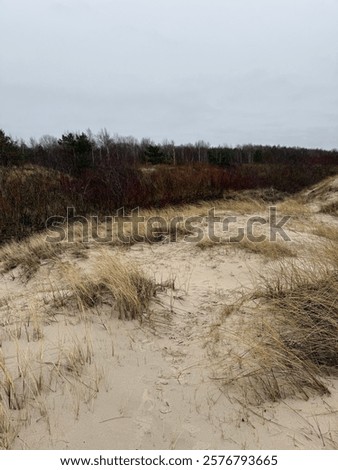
x=87 y=380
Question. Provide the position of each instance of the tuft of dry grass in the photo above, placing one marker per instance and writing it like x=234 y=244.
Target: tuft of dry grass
x=326 y=231
x=28 y=254
x=269 y=249
x=288 y=343
x=245 y=202
x=306 y=308
x=244 y=205
x=122 y=285
x=7 y=431
x=294 y=206
x=330 y=208
x=206 y=243
x=8 y=392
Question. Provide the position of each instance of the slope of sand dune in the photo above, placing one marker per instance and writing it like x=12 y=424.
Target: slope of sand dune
x=75 y=376
x=324 y=195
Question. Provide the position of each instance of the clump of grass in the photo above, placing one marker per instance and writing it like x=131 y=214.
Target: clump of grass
x=206 y=243
x=269 y=249
x=28 y=254
x=244 y=202
x=289 y=339
x=330 y=208
x=8 y=392
x=123 y=285
x=7 y=432
x=326 y=231
x=75 y=359
x=294 y=206
x=306 y=308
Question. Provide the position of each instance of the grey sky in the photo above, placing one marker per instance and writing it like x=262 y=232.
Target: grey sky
x=226 y=71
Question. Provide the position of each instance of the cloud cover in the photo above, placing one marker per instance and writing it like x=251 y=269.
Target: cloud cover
x=226 y=71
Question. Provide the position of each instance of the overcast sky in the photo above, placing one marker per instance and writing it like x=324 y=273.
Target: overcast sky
x=225 y=71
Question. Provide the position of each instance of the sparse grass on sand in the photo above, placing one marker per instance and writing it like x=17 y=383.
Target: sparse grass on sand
x=271 y=250
x=39 y=369
x=42 y=363
x=287 y=345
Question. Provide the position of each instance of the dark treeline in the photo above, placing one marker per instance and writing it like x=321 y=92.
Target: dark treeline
x=74 y=152
x=99 y=174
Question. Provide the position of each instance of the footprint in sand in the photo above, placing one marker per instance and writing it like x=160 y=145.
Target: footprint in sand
x=147 y=402
x=144 y=417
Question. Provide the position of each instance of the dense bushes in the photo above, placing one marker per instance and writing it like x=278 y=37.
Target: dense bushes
x=283 y=177
x=29 y=195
